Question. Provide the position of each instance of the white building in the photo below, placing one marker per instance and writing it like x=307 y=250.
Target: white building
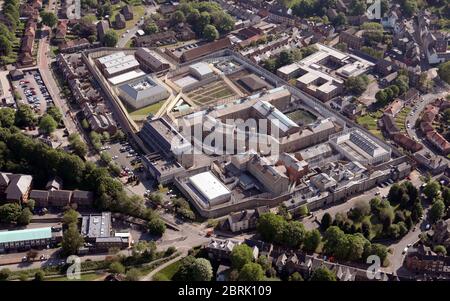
x=210 y=188
x=142 y=92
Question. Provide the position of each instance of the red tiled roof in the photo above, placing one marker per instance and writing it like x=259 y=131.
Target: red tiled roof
x=206 y=49
x=439 y=141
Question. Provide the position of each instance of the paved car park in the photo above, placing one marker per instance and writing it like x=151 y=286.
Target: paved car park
x=33 y=91
x=124 y=155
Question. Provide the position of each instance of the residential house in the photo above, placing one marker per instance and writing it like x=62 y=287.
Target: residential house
x=119 y=22
x=60 y=31
x=102 y=28
x=59 y=198
x=127 y=12
x=82 y=198
x=15 y=187
x=245 y=219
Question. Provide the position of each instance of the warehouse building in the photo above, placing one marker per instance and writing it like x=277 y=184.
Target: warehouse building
x=210 y=188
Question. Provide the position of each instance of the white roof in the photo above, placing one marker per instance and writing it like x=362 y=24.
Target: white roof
x=201 y=68
x=126 y=77
x=208 y=185
x=111 y=57
x=185 y=81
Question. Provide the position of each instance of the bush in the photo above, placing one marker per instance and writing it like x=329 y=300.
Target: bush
x=4 y=274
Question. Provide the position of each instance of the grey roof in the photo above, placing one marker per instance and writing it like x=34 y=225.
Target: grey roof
x=253 y=82
x=61 y=194
x=82 y=194
x=39 y=194
x=148 y=88
x=242 y=215
x=96 y=225
x=18 y=186
x=4 y=179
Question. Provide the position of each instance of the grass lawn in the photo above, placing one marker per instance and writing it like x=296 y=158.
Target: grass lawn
x=143 y=112
x=168 y=272
x=369 y=121
x=138 y=12
x=401 y=117
x=83 y=277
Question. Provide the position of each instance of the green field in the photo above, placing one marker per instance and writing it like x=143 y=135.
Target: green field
x=83 y=277
x=302 y=116
x=143 y=112
x=168 y=272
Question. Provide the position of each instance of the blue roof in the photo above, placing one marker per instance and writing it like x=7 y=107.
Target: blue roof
x=24 y=235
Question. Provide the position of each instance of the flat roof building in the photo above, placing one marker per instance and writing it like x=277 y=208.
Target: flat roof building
x=117 y=63
x=211 y=188
x=96 y=225
x=142 y=92
x=26 y=239
x=322 y=73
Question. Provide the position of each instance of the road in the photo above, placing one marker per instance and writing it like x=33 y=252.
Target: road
x=123 y=40
x=50 y=83
x=418 y=107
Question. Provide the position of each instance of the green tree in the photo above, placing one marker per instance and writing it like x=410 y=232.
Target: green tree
x=432 y=189
x=25 y=217
x=4 y=274
x=241 y=255
x=201 y=270
x=440 y=249
x=47 y=125
x=323 y=274
x=293 y=234
x=39 y=276
x=312 y=240
x=49 y=19
x=437 y=211
x=270 y=226
x=55 y=113
x=132 y=275
x=357 y=84
x=9 y=213
x=150 y=28
x=111 y=38
x=70 y=217
x=210 y=33
x=5 y=46
x=7 y=116
x=156 y=227
x=326 y=221
x=251 y=272
x=25 y=116
x=116 y=268
x=72 y=240
x=296 y=277
x=177 y=17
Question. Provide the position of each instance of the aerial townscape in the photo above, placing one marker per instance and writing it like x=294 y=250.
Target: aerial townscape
x=224 y=140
